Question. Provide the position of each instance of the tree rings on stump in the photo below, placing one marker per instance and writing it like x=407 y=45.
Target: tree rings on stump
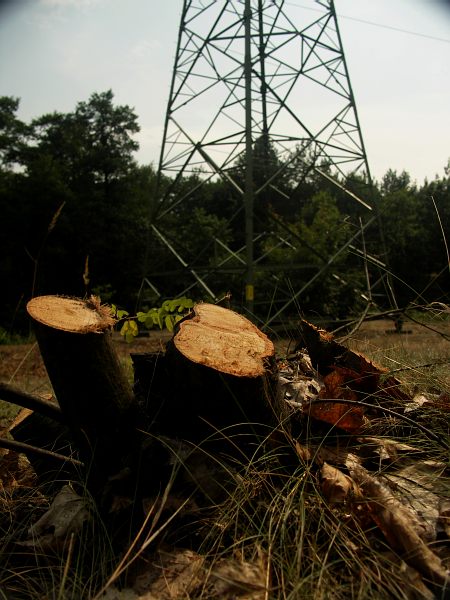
x=225 y=341
x=70 y=314
x=221 y=372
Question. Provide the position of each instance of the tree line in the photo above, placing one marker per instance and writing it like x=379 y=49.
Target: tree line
x=77 y=211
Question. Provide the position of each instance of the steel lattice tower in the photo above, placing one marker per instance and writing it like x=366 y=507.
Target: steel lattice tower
x=252 y=73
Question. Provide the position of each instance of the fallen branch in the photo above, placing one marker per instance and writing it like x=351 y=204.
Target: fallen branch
x=14 y=395
x=29 y=450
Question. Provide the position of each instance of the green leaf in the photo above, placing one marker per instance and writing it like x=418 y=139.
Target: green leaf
x=122 y=313
x=166 y=305
x=124 y=329
x=129 y=337
x=174 y=304
x=149 y=322
x=129 y=330
x=169 y=322
x=187 y=302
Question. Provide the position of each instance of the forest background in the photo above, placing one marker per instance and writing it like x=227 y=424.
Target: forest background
x=77 y=211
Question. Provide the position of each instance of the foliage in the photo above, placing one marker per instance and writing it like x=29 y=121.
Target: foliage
x=165 y=316
x=84 y=159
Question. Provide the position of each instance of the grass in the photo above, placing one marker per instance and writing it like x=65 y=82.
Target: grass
x=269 y=534
x=420 y=357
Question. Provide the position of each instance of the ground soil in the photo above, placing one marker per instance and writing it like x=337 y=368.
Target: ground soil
x=22 y=365
x=417 y=345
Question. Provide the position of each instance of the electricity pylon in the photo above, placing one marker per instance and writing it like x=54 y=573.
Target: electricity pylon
x=251 y=74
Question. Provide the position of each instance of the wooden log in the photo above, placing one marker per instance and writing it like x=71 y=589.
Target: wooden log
x=75 y=340
x=220 y=371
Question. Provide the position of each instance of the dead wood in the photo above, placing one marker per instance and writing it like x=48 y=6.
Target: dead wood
x=31 y=451
x=221 y=372
x=14 y=395
x=92 y=389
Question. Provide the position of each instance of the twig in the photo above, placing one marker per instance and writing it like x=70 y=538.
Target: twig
x=425 y=366
x=27 y=449
x=22 y=361
x=358 y=324
x=441 y=333
x=442 y=231
x=13 y=395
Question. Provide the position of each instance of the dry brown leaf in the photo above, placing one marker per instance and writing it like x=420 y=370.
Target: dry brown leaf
x=66 y=516
x=305 y=453
x=336 y=486
x=170 y=576
x=21 y=416
x=338 y=456
x=335 y=456
x=233 y=580
x=444 y=516
x=185 y=574
x=15 y=471
x=422 y=488
x=337 y=384
x=113 y=593
x=362 y=375
x=348 y=418
x=387 y=449
x=396 y=523
x=412 y=583
x=300 y=390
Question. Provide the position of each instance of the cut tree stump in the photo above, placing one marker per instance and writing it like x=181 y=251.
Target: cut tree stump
x=219 y=371
x=75 y=340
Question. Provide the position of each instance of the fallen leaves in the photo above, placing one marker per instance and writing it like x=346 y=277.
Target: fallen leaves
x=388 y=491
x=183 y=573
x=400 y=527
x=171 y=575
x=336 y=486
x=66 y=516
x=343 y=416
x=407 y=497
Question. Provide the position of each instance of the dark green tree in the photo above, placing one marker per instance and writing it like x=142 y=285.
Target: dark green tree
x=84 y=162
x=13 y=133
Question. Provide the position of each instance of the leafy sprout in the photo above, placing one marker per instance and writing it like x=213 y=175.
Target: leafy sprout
x=165 y=316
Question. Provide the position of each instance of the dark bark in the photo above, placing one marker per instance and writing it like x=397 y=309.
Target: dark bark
x=218 y=377
x=97 y=402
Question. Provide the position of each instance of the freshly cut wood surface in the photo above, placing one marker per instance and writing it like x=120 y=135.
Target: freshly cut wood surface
x=70 y=314
x=224 y=340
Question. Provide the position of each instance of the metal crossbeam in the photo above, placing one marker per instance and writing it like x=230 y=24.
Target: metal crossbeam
x=247 y=72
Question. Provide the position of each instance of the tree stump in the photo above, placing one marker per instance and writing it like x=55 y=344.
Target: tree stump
x=75 y=340
x=218 y=372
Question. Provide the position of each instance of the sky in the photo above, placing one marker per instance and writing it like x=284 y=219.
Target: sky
x=56 y=53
